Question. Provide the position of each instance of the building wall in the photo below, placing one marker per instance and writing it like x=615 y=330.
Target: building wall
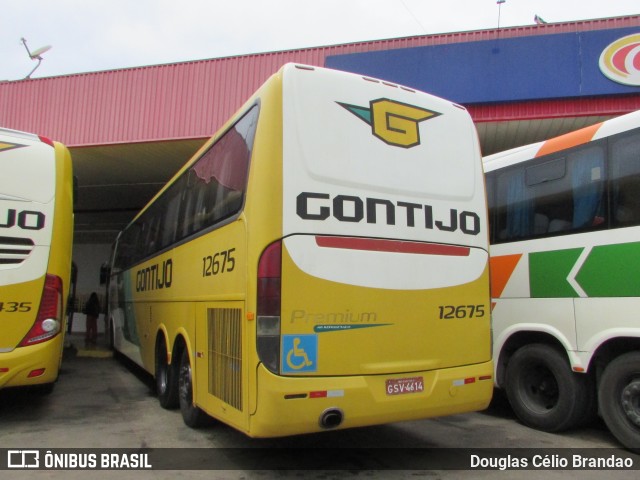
x=88 y=259
x=193 y=99
x=549 y=67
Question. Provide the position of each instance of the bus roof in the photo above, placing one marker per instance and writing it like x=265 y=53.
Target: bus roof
x=563 y=142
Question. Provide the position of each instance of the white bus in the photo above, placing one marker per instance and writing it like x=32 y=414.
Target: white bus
x=565 y=267
x=322 y=262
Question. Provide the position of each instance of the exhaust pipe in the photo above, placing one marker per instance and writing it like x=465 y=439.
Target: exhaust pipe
x=331 y=418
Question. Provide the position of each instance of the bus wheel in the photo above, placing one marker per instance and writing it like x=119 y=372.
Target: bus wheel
x=543 y=391
x=166 y=378
x=192 y=415
x=619 y=399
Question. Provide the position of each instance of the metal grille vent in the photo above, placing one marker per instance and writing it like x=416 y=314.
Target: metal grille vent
x=14 y=250
x=225 y=355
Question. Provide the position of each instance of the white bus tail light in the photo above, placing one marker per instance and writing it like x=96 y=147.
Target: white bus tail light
x=49 y=320
x=268 y=306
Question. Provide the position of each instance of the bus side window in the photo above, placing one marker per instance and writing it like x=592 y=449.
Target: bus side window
x=551 y=196
x=151 y=244
x=491 y=205
x=551 y=192
x=625 y=177
x=216 y=183
x=513 y=206
x=187 y=206
x=569 y=191
x=171 y=205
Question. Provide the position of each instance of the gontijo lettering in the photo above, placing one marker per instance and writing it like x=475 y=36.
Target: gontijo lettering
x=349 y=208
x=155 y=277
x=24 y=219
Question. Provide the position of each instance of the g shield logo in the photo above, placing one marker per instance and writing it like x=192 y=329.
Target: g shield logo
x=393 y=122
x=9 y=146
x=620 y=61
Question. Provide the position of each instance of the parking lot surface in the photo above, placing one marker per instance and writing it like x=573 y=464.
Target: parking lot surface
x=102 y=402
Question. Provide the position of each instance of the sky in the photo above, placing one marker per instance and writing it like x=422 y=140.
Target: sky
x=95 y=35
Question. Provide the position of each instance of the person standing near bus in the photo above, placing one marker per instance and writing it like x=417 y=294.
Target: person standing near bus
x=92 y=311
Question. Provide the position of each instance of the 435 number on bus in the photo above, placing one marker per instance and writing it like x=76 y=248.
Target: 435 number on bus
x=15 y=307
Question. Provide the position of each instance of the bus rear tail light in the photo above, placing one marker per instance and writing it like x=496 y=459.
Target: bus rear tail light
x=49 y=320
x=46 y=140
x=268 y=306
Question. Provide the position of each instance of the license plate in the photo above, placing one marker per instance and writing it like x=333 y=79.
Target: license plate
x=400 y=386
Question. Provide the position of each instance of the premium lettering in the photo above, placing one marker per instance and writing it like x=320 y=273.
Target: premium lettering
x=333 y=317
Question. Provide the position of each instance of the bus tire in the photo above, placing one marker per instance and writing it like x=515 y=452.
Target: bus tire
x=619 y=399
x=543 y=391
x=192 y=415
x=166 y=378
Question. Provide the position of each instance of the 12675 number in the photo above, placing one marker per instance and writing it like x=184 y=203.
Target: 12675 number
x=448 y=312
x=218 y=263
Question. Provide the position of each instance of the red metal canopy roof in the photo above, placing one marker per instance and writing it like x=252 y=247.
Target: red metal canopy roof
x=192 y=99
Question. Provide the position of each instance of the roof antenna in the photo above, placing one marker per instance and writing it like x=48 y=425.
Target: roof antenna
x=500 y=2
x=35 y=55
x=496 y=49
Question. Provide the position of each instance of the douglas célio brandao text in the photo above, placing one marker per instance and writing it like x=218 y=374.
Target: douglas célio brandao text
x=551 y=461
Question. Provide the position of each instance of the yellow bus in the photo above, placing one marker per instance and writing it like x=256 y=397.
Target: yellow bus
x=36 y=234
x=321 y=262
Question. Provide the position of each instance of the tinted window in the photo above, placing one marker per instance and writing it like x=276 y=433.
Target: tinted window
x=208 y=193
x=625 y=179
x=550 y=196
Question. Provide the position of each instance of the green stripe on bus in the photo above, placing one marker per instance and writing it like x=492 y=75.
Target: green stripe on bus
x=548 y=272
x=608 y=271
x=612 y=271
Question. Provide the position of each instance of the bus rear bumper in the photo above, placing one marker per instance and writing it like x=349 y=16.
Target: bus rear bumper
x=294 y=405
x=35 y=365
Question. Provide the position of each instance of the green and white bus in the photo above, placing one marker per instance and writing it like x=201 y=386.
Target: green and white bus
x=565 y=266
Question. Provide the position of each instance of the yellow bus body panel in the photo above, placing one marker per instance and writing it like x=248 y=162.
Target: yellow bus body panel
x=17 y=323
x=364 y=331
x=21 y=361
x=387 y=336
x=15 y=365
x=363 y=399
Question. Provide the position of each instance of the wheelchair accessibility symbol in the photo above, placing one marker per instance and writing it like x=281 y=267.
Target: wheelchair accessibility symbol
x=300 y=353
